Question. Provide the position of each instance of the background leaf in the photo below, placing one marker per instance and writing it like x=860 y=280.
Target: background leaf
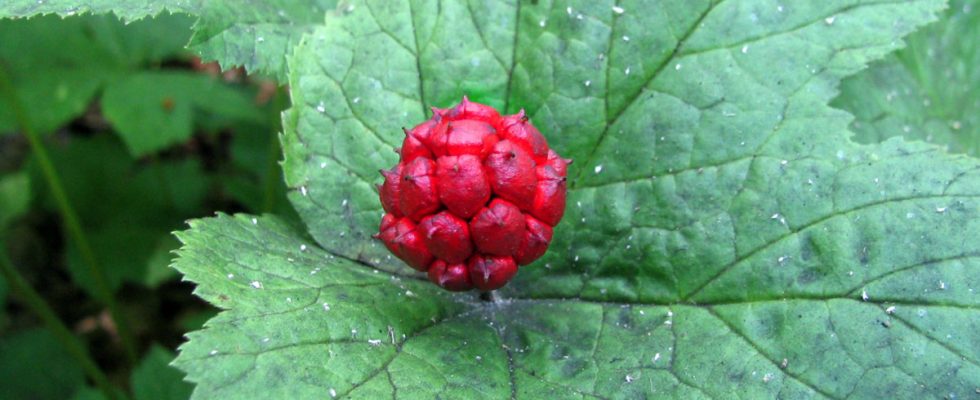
x=155 y=110
x=256 y=35
x=128 y=209
x=154 y=379
x=926 y=91
x=723 y=235
x=34 y=356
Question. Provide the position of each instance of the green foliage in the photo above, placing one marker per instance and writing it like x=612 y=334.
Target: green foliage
x=58 y=66
x=142 y=137
x=128 y=209
x=34 y=366
x=927 y=91
x=16 y=195
x=81 y=57
x=154 y=379
x=256 y=35
x=723 y=234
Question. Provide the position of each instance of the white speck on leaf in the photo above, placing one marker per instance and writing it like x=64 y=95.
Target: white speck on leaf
x=629 y=378
x=588 y=83
x=940 y=209
x=864 y=295
x=374 y=342
x=326 y=307
x=656 y=357
x=357 y=100
x=627 y=71
x=333 y=393
x=767 y=377
x=626 y=38
x=302 y=247
x=256 y=284
x=677 y=67
x=323 y=165
x=542 y=23
x=302 y=189
x=745 y=49
x=618 y=9
x=255 y=221
x=598 y=168
x=213 y=352
x=231 y=276
x=321 y=108
x=890 y=309
x=830 y=20
x=568 y=10
x=942 y=285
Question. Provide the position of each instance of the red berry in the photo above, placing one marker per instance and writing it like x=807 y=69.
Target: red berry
x=491 y=272
x=389 y=191
x=447 y=237
x=464 y=137
x=518 y=130
x=474 y=195
x=462 y=184
x=454 y=277
x=402 y=239
x=417 y=195
x=511 y=171
x=549 y=196
x=467 y=109
x=412 y=148
x=537 y=237
x=498 y=228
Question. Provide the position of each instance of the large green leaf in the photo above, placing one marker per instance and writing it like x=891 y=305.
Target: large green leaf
x=724 y=236
x=254 y=34
x=926 y=91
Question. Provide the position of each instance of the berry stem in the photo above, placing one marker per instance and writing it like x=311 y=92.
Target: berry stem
x=489 y=297
x=69 y=216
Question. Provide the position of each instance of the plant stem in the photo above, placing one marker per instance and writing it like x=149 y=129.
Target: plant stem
x=69 y=216
x=36 y=303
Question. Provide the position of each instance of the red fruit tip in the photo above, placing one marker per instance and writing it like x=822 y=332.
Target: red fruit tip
x=436 y=111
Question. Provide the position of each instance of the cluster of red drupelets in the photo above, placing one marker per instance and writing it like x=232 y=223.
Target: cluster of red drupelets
x=474 y=195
